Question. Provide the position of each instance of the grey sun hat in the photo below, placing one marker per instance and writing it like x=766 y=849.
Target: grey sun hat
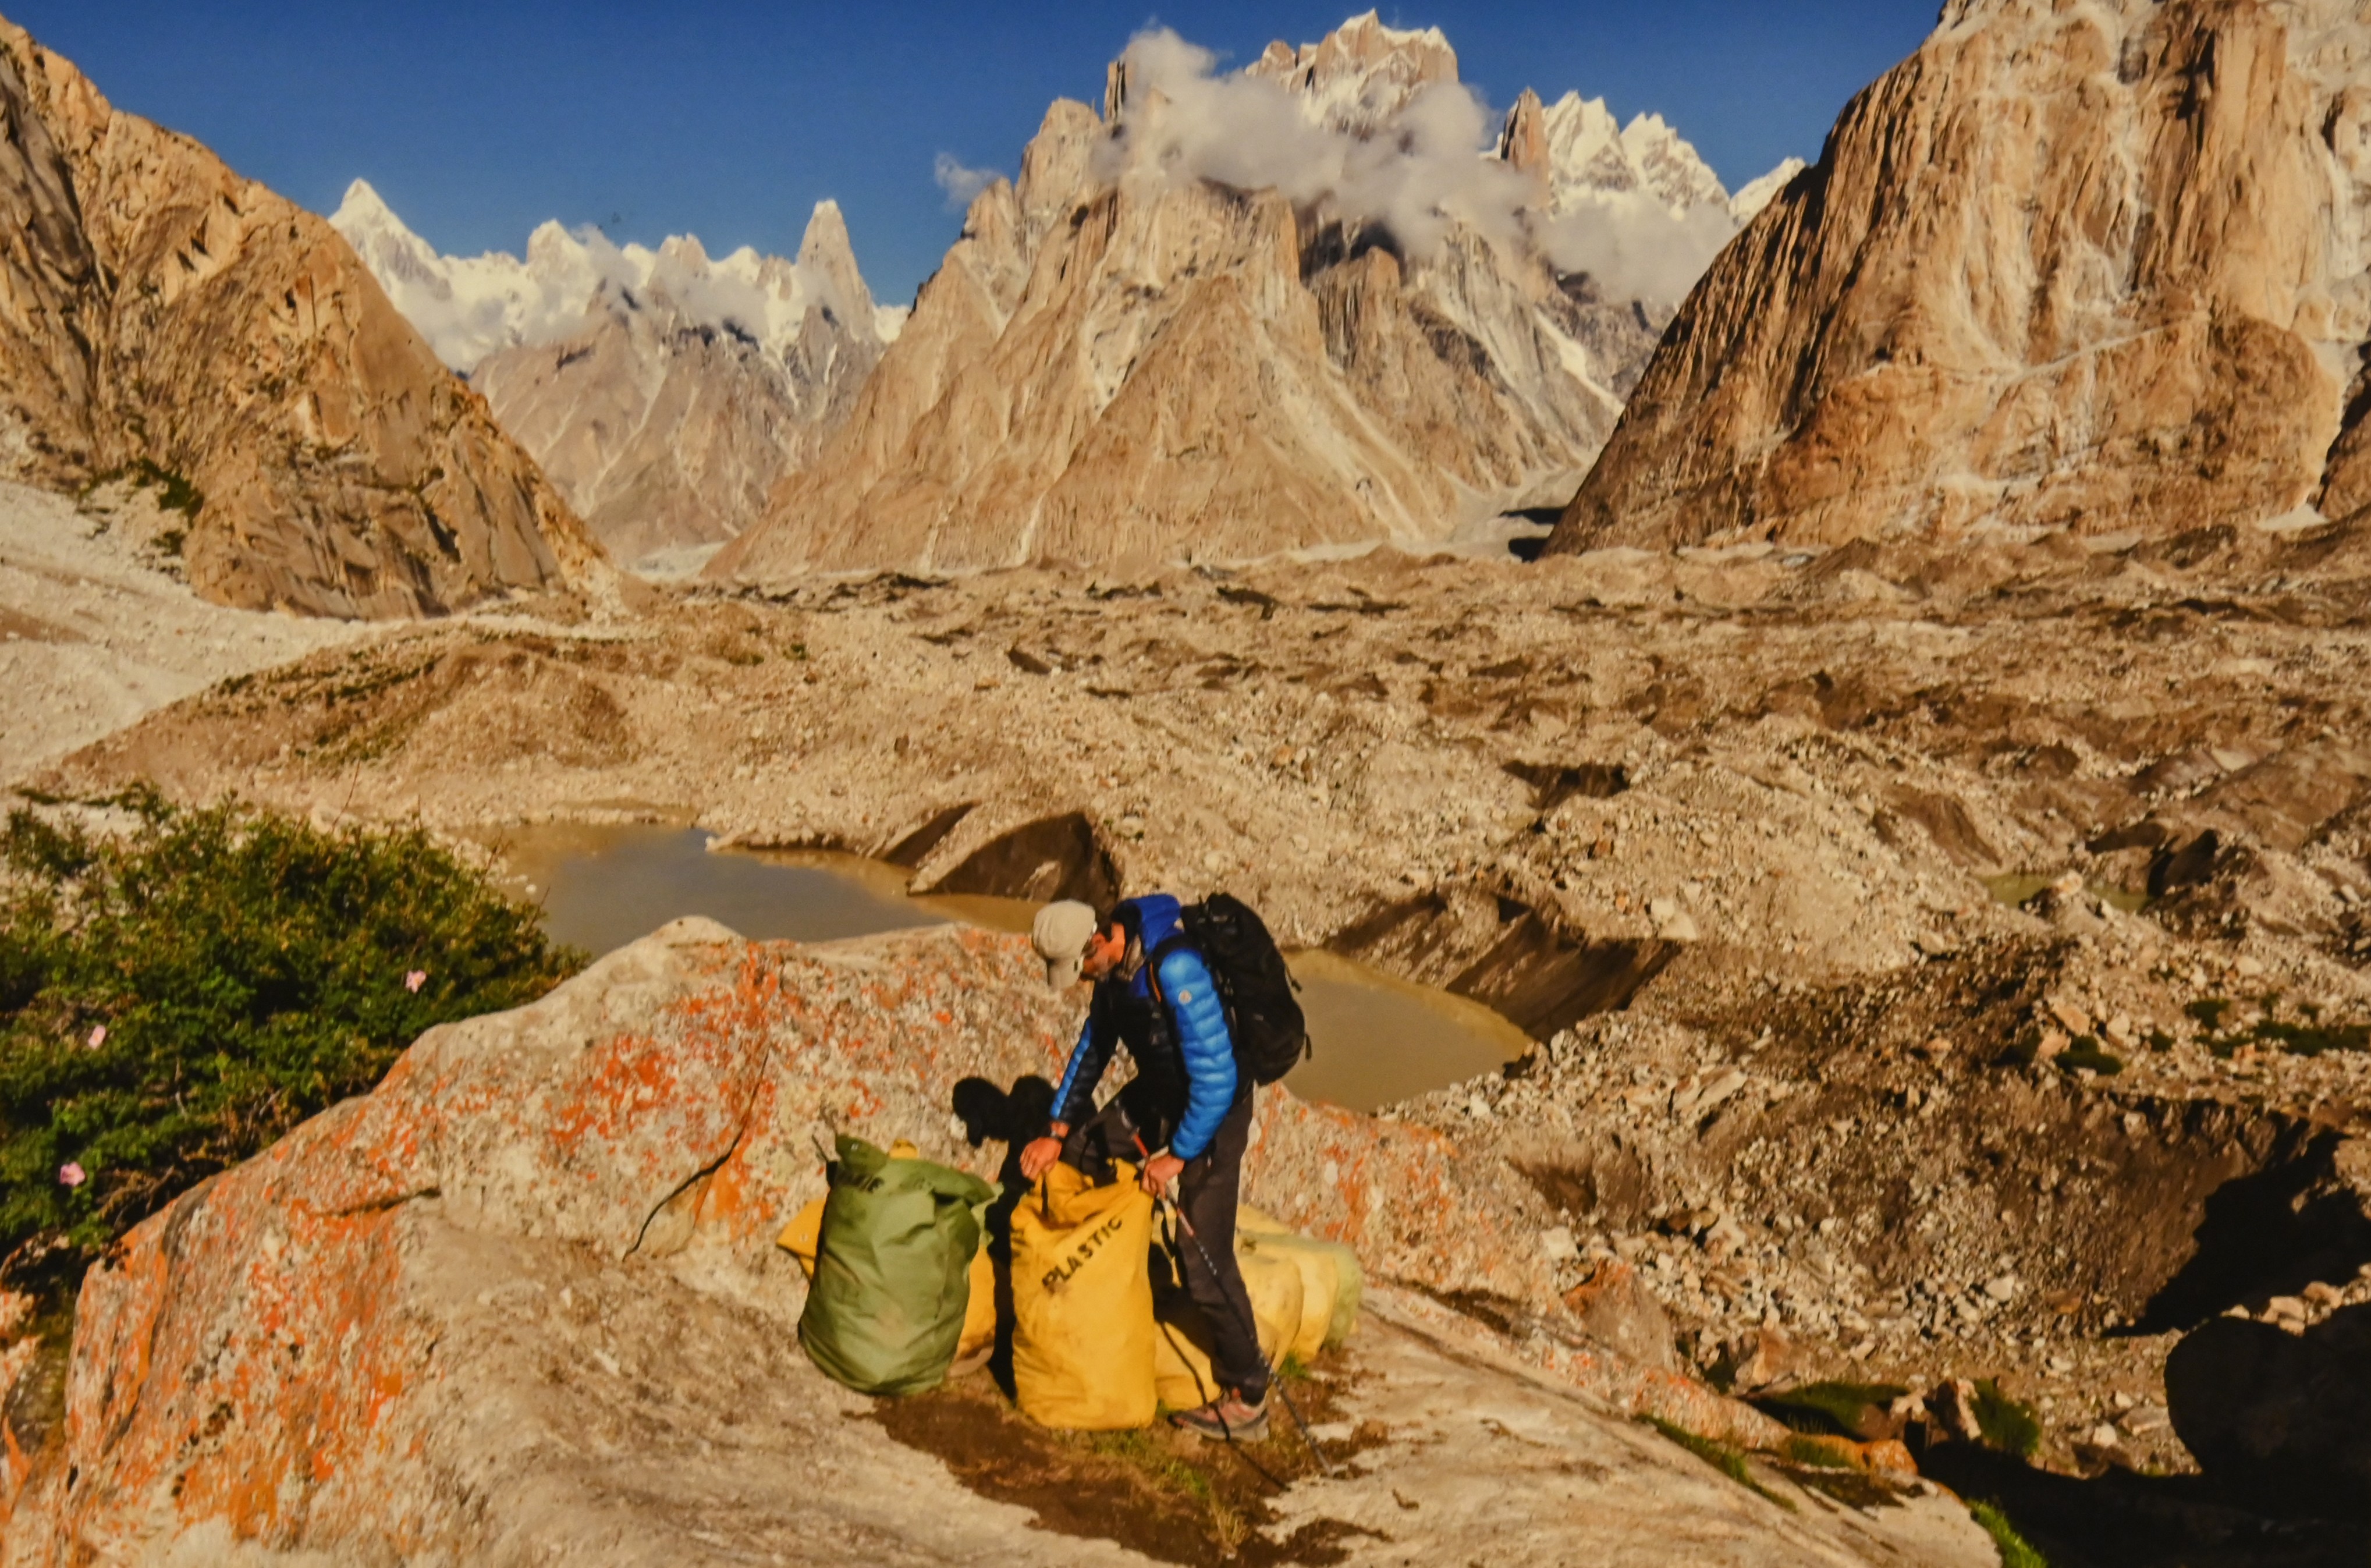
x=1059 y=934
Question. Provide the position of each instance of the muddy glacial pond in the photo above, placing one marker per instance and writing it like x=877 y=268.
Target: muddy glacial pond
x=1377 y=1039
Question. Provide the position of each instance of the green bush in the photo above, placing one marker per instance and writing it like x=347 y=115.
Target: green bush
x=173 y=1000
x=2211 y=1010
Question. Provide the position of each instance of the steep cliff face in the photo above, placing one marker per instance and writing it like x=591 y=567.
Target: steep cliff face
x=665 y=393
x=1228 y=317
x=157 y=311
x=2096 y=267
x=1152 y=378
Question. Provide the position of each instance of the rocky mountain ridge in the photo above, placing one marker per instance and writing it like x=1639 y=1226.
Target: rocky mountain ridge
x=472 y=307
x=2098 y=268
x=1174 y=337
x=1584 y=153
x=166 y=318
x=1361 y=75
x=665 y=392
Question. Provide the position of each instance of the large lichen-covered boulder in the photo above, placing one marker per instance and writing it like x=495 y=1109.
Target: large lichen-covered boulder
x=526 y=1291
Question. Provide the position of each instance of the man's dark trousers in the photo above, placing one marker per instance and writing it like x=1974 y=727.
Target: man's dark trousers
x=1207 y=1192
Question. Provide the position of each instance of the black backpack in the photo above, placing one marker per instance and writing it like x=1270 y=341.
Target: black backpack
x=1271 y=1037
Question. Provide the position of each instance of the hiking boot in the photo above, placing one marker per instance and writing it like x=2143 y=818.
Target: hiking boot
x=1226 y=1420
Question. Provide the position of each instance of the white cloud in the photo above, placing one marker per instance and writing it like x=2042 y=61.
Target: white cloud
x=1421 y=172
x=710 y=298
x=1634 y=247
x=960 y=183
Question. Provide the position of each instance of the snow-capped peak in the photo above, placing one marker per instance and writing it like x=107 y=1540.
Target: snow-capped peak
x=361 y=204
x=1584 y=155
x=1633 y=207
x=469 y=307
x=1668 y=166
x=385 y=246
x=1756 y=195
x=1363 y=74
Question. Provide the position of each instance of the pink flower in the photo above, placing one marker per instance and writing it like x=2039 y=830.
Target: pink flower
x=415 y=980
x=71 y=1175
x=97 y=1036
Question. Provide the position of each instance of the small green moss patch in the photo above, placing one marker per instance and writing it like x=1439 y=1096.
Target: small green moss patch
x=1729 y=1461
x=2089 y=1054
x=2006 y=1424
x=2015 y=1551
x=1810 y=1451
x=1835 y=1408
x=2313 y=1039
x=174 y=492
x=2210 y=1011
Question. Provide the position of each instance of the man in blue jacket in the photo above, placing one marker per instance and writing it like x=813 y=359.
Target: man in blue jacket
x=1154 y=995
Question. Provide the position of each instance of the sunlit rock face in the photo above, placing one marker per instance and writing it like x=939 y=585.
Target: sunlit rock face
x=664 y=392
x=160 y=314
x=1304 y=305
x=2099 y=268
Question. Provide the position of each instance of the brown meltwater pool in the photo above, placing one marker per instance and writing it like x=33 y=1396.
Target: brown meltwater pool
x=1375 y=1037
x=602 y=887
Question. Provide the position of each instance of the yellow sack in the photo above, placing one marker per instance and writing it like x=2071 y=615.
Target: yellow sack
x=1181 y=1351
x=1349 y=1278
x=1181 y=1358
x=1317 y=1275
x=979 y=1314
x=1082 y=1302
x=1258 y=1221
x=803 y=1238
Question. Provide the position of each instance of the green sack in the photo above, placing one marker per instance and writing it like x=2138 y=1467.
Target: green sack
x=892 y=1270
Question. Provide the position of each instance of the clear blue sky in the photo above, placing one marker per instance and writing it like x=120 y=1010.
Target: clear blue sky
x=730 y=117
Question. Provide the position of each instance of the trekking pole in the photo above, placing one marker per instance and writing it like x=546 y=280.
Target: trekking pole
x=1177 y=1212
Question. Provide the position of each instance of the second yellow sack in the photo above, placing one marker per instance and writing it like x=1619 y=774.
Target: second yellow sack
x=1181 y=1351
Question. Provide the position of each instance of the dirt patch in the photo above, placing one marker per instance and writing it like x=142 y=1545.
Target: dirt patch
x=16 y=625
x=1163 y=1492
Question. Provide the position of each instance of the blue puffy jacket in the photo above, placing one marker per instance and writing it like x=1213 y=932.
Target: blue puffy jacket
x=1183 y=991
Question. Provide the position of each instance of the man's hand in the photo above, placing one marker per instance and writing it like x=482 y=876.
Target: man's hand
x=1042 y=1153
x=1160 y=1171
